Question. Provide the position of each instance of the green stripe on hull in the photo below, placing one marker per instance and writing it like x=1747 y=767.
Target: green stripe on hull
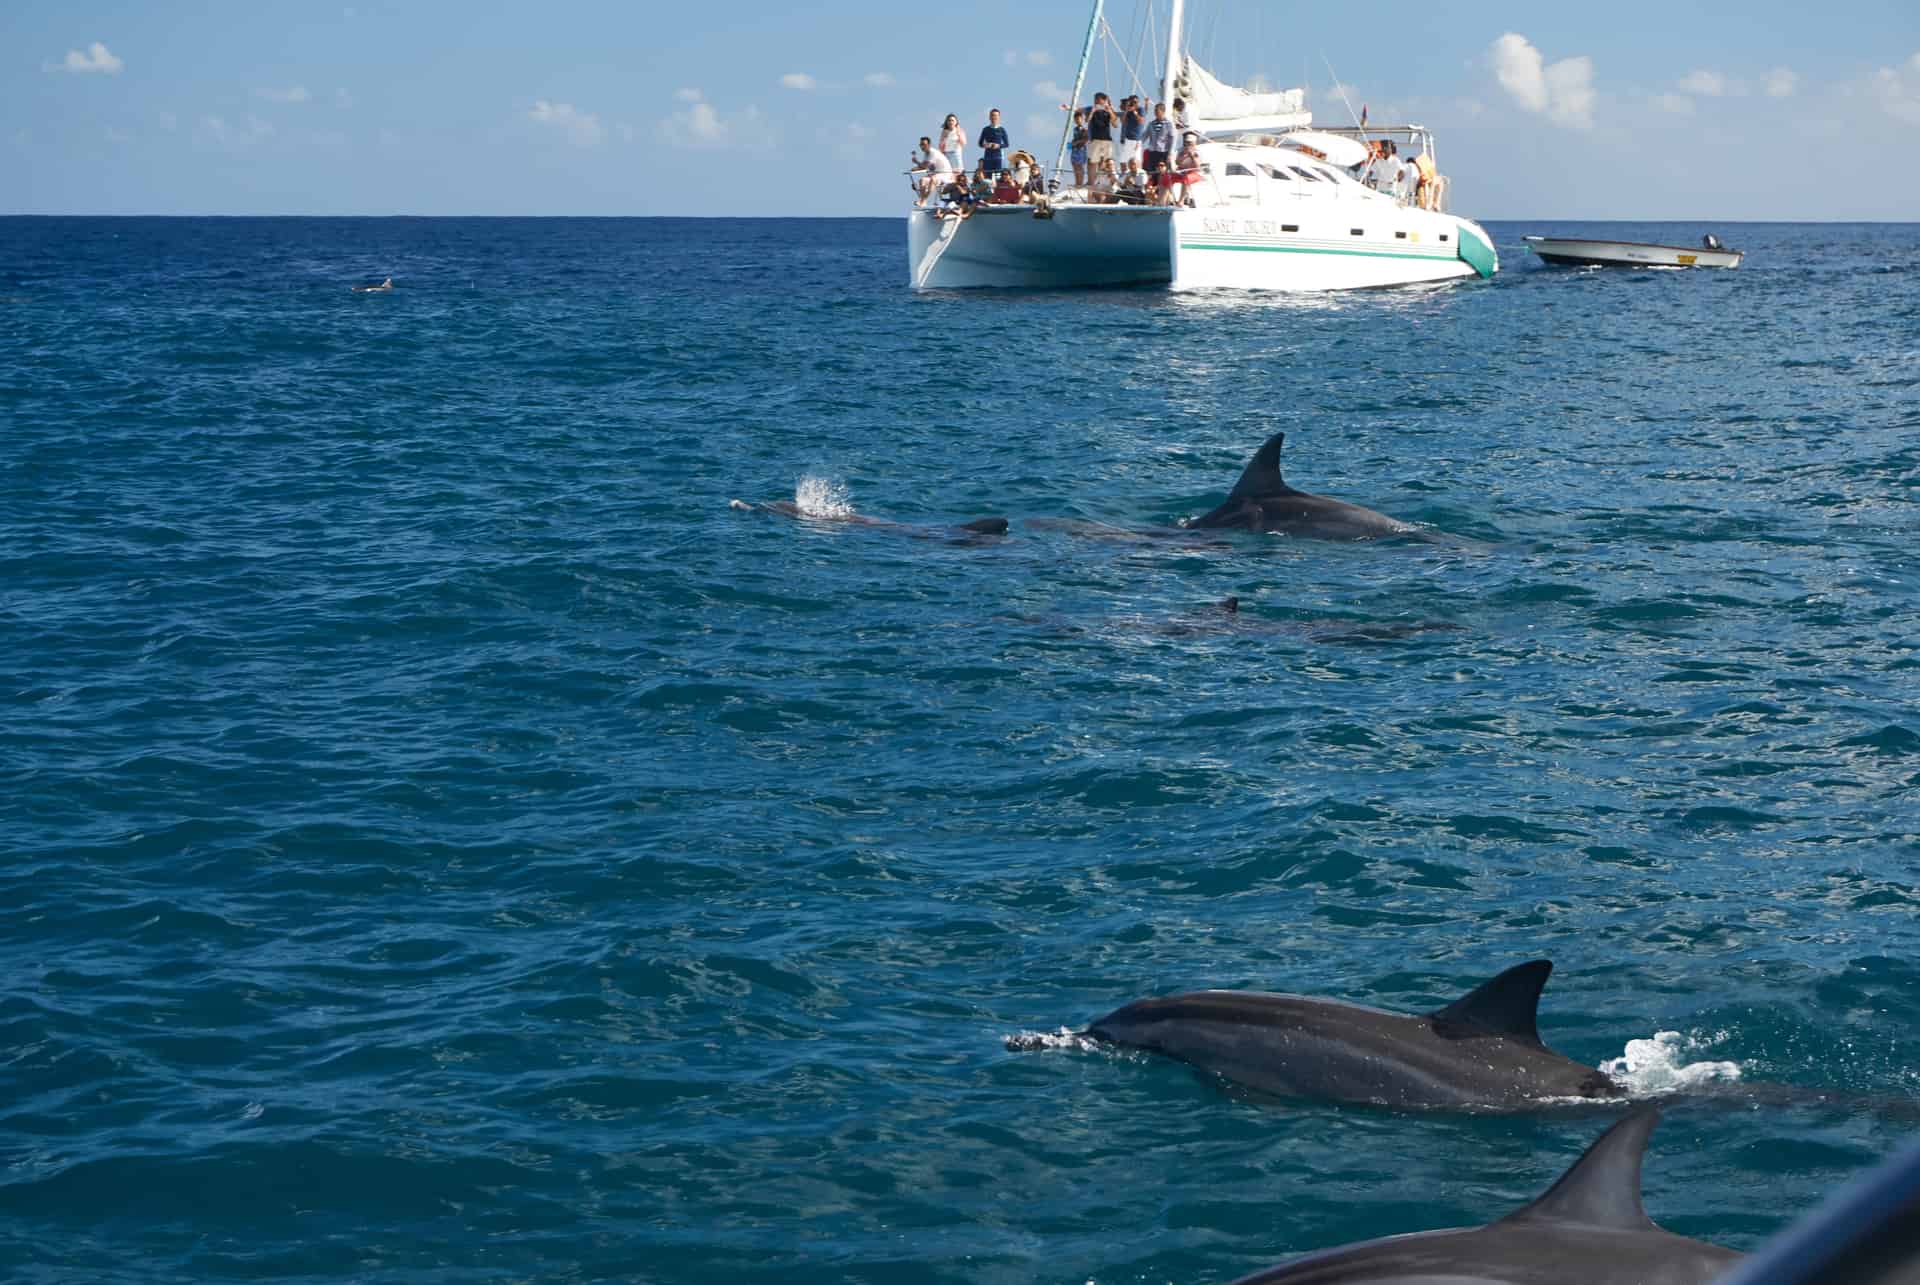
x=1477 y=254
x=1305 y=249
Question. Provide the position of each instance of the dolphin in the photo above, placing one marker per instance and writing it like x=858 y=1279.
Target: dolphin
x=967 y=532
x=1588 y=1229
x=1481 y=1052
x=1262 y=501
x=379 y=289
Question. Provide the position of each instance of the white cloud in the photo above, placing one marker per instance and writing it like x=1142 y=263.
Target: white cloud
x=118 y=135
x=1781 y=82
x=1039 y=58
x=879 y=80
x=625 y=131
x=1674 y=104
x=217 y=130
x=341 y=98
x=699 y=126
x=1707 y=84
x=1047 y=89
x=798 y=80
x=96 y=58
x=1046 y=127
x=294 y=94
x=858 y=132
x=581 y=128
x=687 y=95
x=1562 y=91
x=1897 y=90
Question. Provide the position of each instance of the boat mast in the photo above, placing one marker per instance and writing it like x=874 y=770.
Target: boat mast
x=1079 y=80
x=1173 y=56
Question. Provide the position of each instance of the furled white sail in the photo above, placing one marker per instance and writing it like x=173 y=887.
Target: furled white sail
x=1215 y=107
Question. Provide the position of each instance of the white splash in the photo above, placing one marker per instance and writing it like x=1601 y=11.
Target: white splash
x=820 y=497
x=1657 y=1066
x=1029 y=1041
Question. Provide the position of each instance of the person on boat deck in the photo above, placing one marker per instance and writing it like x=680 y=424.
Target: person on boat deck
x=1133 y=126
x=981 y=188
x=1427 y=190
x=1133 y=185
x=1100 y=191
x=1100 y=123
x=1186 y=171
x=1005 y=190
x=1158 y=141
x=993 y=143
x=1385 y=165
x=954 y=199
x=1036 y=189
x=1180 y=122
x=1407 y=181
x=933 y=169
x=1079 y=153
x=953 y=142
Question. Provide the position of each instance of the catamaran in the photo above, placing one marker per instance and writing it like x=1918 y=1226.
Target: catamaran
x=1276 y=205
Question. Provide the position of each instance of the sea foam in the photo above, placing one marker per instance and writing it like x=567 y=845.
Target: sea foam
x=1658 y=1065
x=820 y=497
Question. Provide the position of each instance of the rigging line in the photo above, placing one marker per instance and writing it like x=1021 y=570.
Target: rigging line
x=1335 y=77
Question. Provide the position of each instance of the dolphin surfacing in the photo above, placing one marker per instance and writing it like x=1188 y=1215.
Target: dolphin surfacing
x=1481 y=1052
x=1589 y=1227
x=1262 y=501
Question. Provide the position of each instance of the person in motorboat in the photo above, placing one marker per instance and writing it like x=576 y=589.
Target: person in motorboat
x=1711 y=242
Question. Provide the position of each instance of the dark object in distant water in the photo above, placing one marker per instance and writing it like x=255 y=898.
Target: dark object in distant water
x=382 y=288
x=967 y=532
x=1590 y=1228
x=1262 y=501
x=1482 y=1051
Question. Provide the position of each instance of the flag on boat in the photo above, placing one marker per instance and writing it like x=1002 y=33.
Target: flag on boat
x=1363 y=115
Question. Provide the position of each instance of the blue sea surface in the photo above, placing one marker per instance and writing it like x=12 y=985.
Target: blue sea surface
x=445 y=842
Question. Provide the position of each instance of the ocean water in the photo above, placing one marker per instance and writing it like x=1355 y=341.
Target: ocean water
x=444 y=841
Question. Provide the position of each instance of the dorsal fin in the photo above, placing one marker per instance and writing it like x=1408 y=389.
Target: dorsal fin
x=1262 y=475
x=1505 y=1005
x=1603 y=1187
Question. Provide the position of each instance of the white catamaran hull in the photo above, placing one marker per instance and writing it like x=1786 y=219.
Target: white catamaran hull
x=1347 y=248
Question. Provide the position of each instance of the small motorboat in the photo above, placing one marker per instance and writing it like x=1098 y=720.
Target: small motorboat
x=1634 y=254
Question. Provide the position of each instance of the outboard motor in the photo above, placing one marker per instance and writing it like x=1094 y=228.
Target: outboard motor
x=1711 y=242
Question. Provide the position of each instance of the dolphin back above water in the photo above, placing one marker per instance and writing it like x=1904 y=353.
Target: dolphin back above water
x=1262 y=501
x=1481 y=1051
x=1588 y=1229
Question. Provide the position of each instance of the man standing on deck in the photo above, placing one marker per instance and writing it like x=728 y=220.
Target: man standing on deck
x=993 y=143
x=1133 y=125
x=1159 y=141
x=1100 y=122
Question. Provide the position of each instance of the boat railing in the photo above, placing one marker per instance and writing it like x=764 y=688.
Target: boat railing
x=1062 y=189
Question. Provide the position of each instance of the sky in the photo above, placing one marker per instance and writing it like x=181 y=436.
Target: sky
x=1629 y=110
